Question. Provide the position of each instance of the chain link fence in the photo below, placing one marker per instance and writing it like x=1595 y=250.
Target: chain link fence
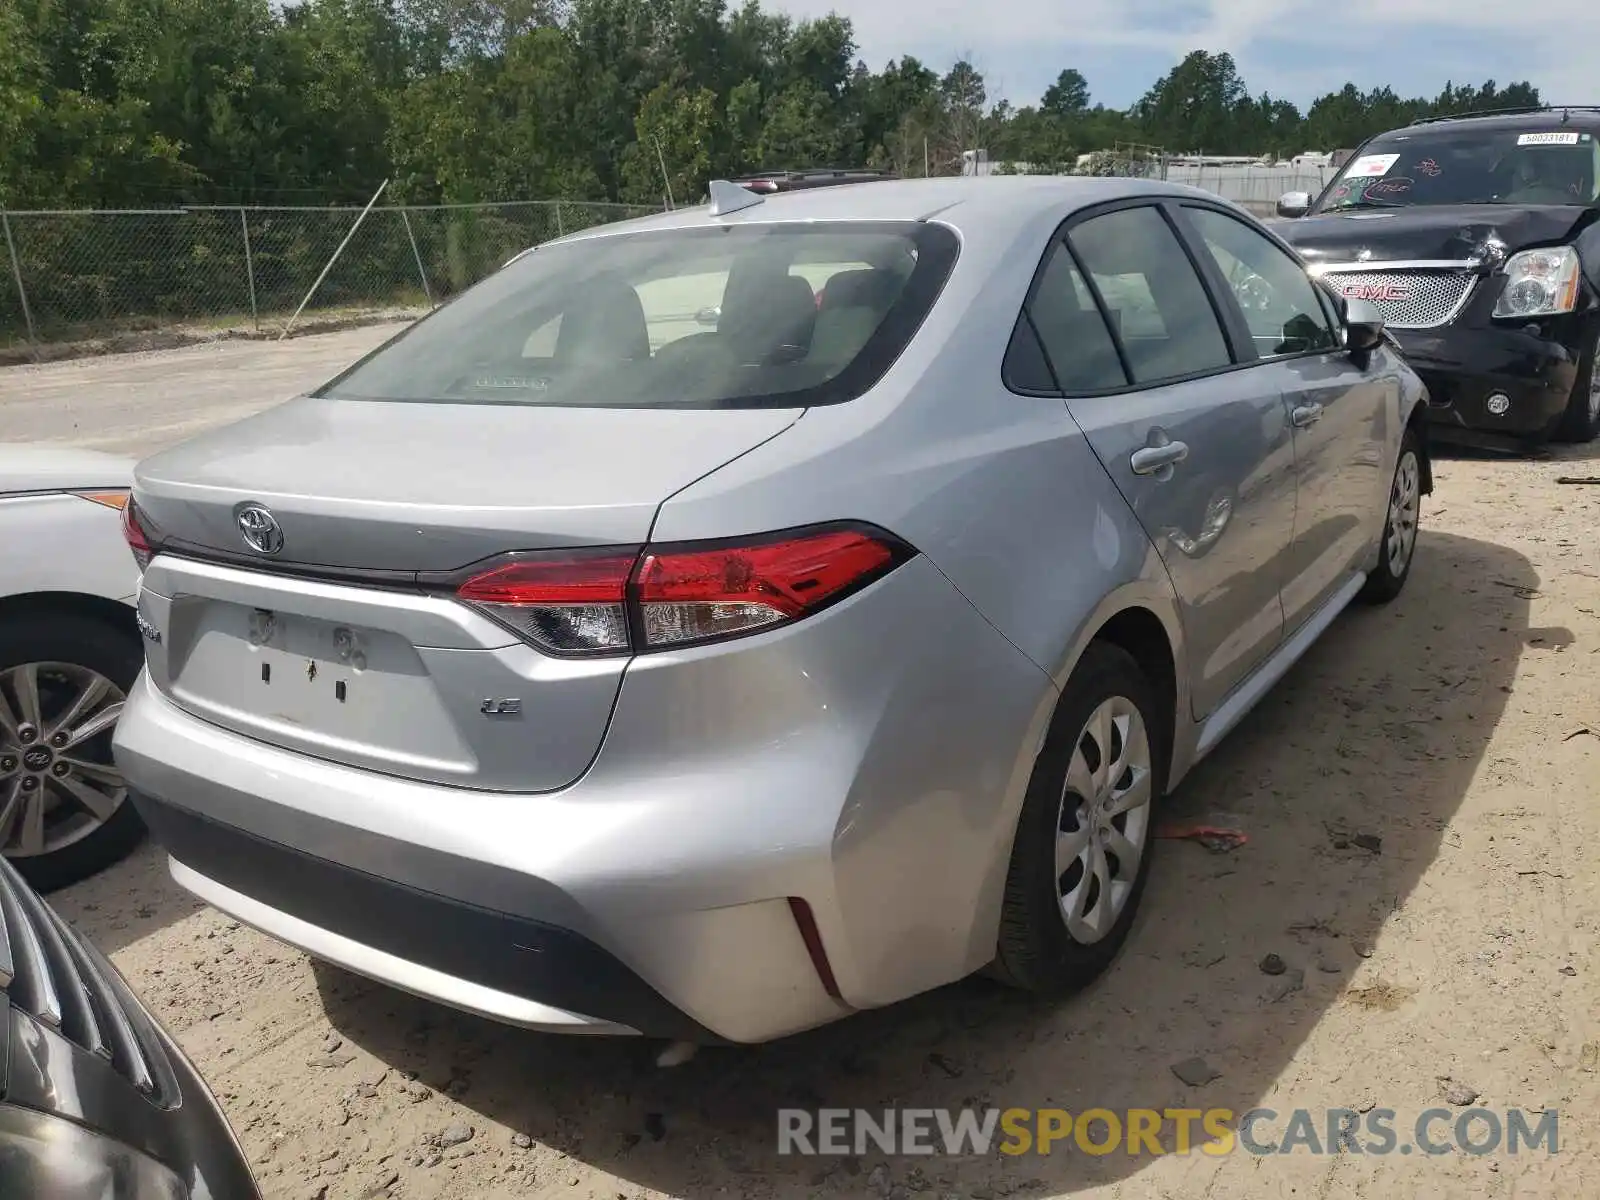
x=114 y=277
x=1251 y=185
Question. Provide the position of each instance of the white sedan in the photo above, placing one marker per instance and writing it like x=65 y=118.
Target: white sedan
x=69 y=652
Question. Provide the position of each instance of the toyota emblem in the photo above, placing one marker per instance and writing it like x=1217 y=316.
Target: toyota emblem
x=260 y=529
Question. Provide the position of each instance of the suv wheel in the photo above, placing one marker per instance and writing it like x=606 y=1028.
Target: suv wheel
x=1581 y=422
x=1083 y=845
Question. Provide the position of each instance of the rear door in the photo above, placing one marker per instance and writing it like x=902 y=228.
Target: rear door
x=1343 y=413
x=1198 y=446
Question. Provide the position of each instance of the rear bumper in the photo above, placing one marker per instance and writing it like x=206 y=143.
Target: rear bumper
x=499 y=966
x=838 y=763
x=1463 y=366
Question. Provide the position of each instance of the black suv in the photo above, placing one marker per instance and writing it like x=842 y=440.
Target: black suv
x=95 y=1099
x=1478 y=238
x=768 y=182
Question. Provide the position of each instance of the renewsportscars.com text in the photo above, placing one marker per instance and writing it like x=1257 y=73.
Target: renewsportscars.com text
x=1151 y=1131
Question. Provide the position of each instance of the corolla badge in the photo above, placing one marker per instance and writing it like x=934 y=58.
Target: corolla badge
x=260 y=529
x=147 y=627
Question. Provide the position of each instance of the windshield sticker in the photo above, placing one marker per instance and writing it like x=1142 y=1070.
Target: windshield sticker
x=1429 y=168
x=1371 y=166
x=1387 y=187
x=1565 y=138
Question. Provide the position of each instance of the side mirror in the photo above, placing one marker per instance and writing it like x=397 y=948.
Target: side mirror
x=1363 y=326
x=709 y=317
x=1294 y=204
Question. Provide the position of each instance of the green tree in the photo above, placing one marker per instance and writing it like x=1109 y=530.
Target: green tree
x=1068 y=96
x=1197 y=106
x=676 y=134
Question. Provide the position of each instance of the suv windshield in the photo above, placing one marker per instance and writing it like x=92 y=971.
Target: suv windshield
x=1541 y=162
x=758 y=315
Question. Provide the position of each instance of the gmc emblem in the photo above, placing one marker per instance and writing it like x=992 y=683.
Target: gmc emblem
x=1375 y=291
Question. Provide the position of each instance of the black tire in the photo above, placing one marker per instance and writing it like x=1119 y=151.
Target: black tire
x=1036 y=952
x=117 y=654
x=1581 y=422
x=1387 y=579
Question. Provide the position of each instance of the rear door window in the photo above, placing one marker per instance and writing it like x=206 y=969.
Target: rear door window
x=1072 y=329
x=1154 y=299
x=762 y=315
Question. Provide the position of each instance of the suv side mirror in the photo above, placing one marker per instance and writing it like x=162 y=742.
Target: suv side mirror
x=1363 y=326
x=1294 y=204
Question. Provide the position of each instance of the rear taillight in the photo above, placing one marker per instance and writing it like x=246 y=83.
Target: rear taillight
x=564 y=603
x=136 y=530
x=688 y=594
x=622 y=602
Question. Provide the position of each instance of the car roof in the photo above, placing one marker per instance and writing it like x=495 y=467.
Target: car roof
x=1573 y=117
x=1000 y=204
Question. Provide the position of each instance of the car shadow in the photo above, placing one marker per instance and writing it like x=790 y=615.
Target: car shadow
x=1345 y=781
x=130 y=901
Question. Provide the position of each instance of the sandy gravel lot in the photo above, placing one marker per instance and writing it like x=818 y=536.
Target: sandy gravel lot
x=1459 y=951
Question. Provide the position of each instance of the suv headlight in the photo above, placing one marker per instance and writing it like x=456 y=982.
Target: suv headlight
x=41 y=1155
x=1540 y=283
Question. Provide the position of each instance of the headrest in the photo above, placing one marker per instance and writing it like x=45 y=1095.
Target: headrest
x=604 y=325
x=868 y=288
x=778 y=311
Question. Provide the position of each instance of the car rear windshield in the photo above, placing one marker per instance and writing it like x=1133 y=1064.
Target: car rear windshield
x=745 y=316
x=1541 y=162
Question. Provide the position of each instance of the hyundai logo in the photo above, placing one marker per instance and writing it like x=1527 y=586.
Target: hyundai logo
x=260 y=529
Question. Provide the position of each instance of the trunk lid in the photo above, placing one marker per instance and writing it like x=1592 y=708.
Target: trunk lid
x=37 y=467
x=407 y=487
x=331 y=648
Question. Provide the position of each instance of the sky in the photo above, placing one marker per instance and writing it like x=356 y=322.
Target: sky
x=1296 y=49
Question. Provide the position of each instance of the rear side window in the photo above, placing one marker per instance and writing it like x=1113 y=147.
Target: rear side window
x=759 y=315
x=1073 y=331
x=1153 y=295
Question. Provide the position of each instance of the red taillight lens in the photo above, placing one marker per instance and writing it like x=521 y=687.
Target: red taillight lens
x=137 y=537
x=563 y=603
x=619 y=601
x=692 y=595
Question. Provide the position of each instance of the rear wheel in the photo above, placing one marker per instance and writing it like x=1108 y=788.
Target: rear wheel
x=1083 y=844
x=1581 y=421
x=1399 y=543
x=64 y=811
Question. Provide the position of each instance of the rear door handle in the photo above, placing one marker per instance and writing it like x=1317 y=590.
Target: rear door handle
x=1150 y=459
x=1306 y=414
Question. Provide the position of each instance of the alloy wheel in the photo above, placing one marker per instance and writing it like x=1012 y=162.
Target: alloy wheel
x=1104 y=820
x=1405 y=502
x=58 y=783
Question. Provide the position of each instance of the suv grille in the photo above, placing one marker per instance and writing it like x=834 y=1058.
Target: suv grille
x=1408 y=299
x=50 y=973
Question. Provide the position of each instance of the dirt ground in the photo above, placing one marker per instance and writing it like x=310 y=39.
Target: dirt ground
x=1460 y=727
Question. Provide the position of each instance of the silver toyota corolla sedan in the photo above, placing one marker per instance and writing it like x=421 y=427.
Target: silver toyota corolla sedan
x=591 y=663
